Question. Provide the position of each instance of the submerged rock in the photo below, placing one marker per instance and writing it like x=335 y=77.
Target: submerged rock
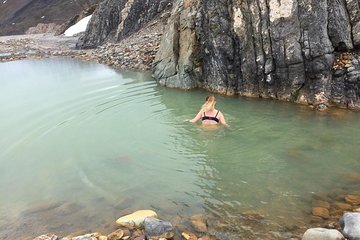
x=199 y=223
x=323 y=204
x=321 y=212
x=48 y=236
x=352 y=199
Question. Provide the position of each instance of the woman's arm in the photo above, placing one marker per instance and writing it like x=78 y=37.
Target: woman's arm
x=196 y=118
x=222 y=120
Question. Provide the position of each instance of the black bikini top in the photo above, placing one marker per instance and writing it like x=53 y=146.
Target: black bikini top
x=211 y=118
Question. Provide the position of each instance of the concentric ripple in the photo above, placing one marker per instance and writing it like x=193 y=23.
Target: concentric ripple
x=87 y=144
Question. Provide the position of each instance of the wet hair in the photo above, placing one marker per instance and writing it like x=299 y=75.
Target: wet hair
x=209 y=103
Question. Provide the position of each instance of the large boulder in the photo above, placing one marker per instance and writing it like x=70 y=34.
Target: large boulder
x=322 y=234
x=156 y=227
x=350 y=224
x=136 y=218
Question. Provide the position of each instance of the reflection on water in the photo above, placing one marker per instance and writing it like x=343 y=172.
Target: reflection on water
x=83 y=144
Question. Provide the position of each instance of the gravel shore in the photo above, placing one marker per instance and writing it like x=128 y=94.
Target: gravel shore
x=136 y=52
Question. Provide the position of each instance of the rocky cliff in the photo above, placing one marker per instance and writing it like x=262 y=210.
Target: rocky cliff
x=294 y=50
x=114 y=20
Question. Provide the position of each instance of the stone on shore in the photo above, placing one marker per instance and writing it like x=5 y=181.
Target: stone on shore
x=90 y=236
x=156 y=227
x=350 y=224
x=136 y=219
x=322 y=234
x=118 y=234
x=189 y=235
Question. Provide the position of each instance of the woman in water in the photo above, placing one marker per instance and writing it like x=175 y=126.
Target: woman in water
x=208 y=114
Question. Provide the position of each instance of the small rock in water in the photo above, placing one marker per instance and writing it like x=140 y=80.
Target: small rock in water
x=352 y=199
x=48 y=236
x=316 y=219
x=321 y=212
x=199 y=223
x=342 y=206
x=90 y=236
x=322 y=234
x=253 y=215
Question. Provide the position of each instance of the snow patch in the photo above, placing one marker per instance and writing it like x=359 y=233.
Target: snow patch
x=4 y=1
x=78 y=27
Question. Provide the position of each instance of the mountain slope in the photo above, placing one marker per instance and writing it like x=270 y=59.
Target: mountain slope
x=16 y=16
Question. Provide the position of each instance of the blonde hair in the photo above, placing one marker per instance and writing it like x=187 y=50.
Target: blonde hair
x=209 y=103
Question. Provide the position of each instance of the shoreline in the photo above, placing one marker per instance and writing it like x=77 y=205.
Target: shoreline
x=325 y=212
x=136 y=54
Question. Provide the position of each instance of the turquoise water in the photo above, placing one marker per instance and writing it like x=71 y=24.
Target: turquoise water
x=82 y=144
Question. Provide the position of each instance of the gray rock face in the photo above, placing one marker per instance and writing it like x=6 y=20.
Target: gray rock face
x=350 y=224
x=113 y=20
x=177 y=62
x=353 y=7
x=285 y=49
x=322 y=234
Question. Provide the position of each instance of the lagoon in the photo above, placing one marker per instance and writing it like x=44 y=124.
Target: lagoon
x=83 y=144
